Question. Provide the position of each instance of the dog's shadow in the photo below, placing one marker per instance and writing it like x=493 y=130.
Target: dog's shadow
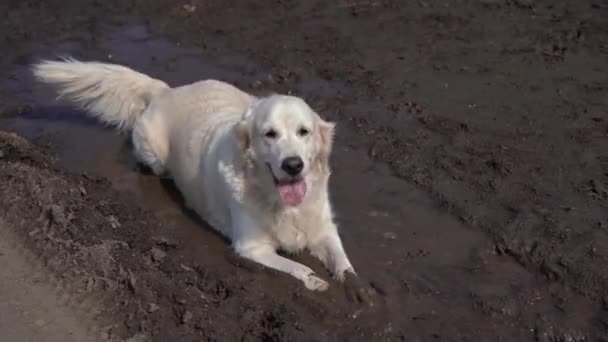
x=170 y=188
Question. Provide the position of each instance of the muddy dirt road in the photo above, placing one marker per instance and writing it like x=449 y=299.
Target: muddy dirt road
x=470 y=171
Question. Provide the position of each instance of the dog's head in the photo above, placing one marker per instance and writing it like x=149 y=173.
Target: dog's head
x=288 y=143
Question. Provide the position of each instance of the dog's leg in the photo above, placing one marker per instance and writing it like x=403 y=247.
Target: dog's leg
x=267 y=256
x=252 y=242
x=150 y=144
x=331 y=252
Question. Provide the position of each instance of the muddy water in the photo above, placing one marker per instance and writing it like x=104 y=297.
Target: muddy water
x=425 y=265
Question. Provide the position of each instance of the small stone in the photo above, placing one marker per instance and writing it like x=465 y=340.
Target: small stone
x=189 y=8
x=56 y=214
x=113 y=222
x=132 y=281
x=187 y=317
x=375 y=213
x=390 y=235
x=164 y=242
x=157 y=254
x=152 y=307
x=355 y=314
x=373 y=151
x=186 y=268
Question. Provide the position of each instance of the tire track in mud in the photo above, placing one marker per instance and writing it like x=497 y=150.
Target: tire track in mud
x=61 y=311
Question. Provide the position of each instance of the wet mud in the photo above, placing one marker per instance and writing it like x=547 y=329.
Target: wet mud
x=470 y=169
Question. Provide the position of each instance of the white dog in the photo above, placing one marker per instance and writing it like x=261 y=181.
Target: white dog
x=256 y=169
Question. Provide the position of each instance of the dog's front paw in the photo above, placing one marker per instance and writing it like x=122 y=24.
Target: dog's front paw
x=341 y=275
x=355 y=289
x=315 y=283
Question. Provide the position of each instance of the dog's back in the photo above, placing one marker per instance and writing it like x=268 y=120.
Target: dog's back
x=199 y=119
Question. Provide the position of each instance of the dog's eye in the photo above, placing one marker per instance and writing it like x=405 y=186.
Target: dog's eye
x=303 y=132
x=271 y=134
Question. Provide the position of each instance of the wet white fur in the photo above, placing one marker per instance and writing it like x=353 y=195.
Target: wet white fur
x=209 y=137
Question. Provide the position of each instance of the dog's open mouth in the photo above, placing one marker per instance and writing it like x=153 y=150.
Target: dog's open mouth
x=291 y=191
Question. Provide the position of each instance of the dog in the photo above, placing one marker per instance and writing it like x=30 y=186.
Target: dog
x=255 y=168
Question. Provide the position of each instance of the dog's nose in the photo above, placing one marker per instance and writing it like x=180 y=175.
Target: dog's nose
x=292 y=165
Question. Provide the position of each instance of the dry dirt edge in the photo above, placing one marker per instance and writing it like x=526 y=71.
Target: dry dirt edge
x=31 y=249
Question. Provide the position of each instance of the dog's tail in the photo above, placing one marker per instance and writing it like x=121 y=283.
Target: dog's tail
x=112 y=93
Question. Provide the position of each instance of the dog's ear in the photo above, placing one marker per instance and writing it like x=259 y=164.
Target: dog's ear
x=325 y=137
x=242 y=135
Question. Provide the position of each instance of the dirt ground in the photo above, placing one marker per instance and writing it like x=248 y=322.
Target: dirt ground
x=470 y=171
x=32 y=306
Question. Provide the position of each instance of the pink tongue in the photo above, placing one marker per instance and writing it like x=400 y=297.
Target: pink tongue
x=293 y=193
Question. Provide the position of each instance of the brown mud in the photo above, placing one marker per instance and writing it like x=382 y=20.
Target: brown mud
x=470 y=170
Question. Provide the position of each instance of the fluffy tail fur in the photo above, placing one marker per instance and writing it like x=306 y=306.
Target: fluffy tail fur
x=114 y=94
